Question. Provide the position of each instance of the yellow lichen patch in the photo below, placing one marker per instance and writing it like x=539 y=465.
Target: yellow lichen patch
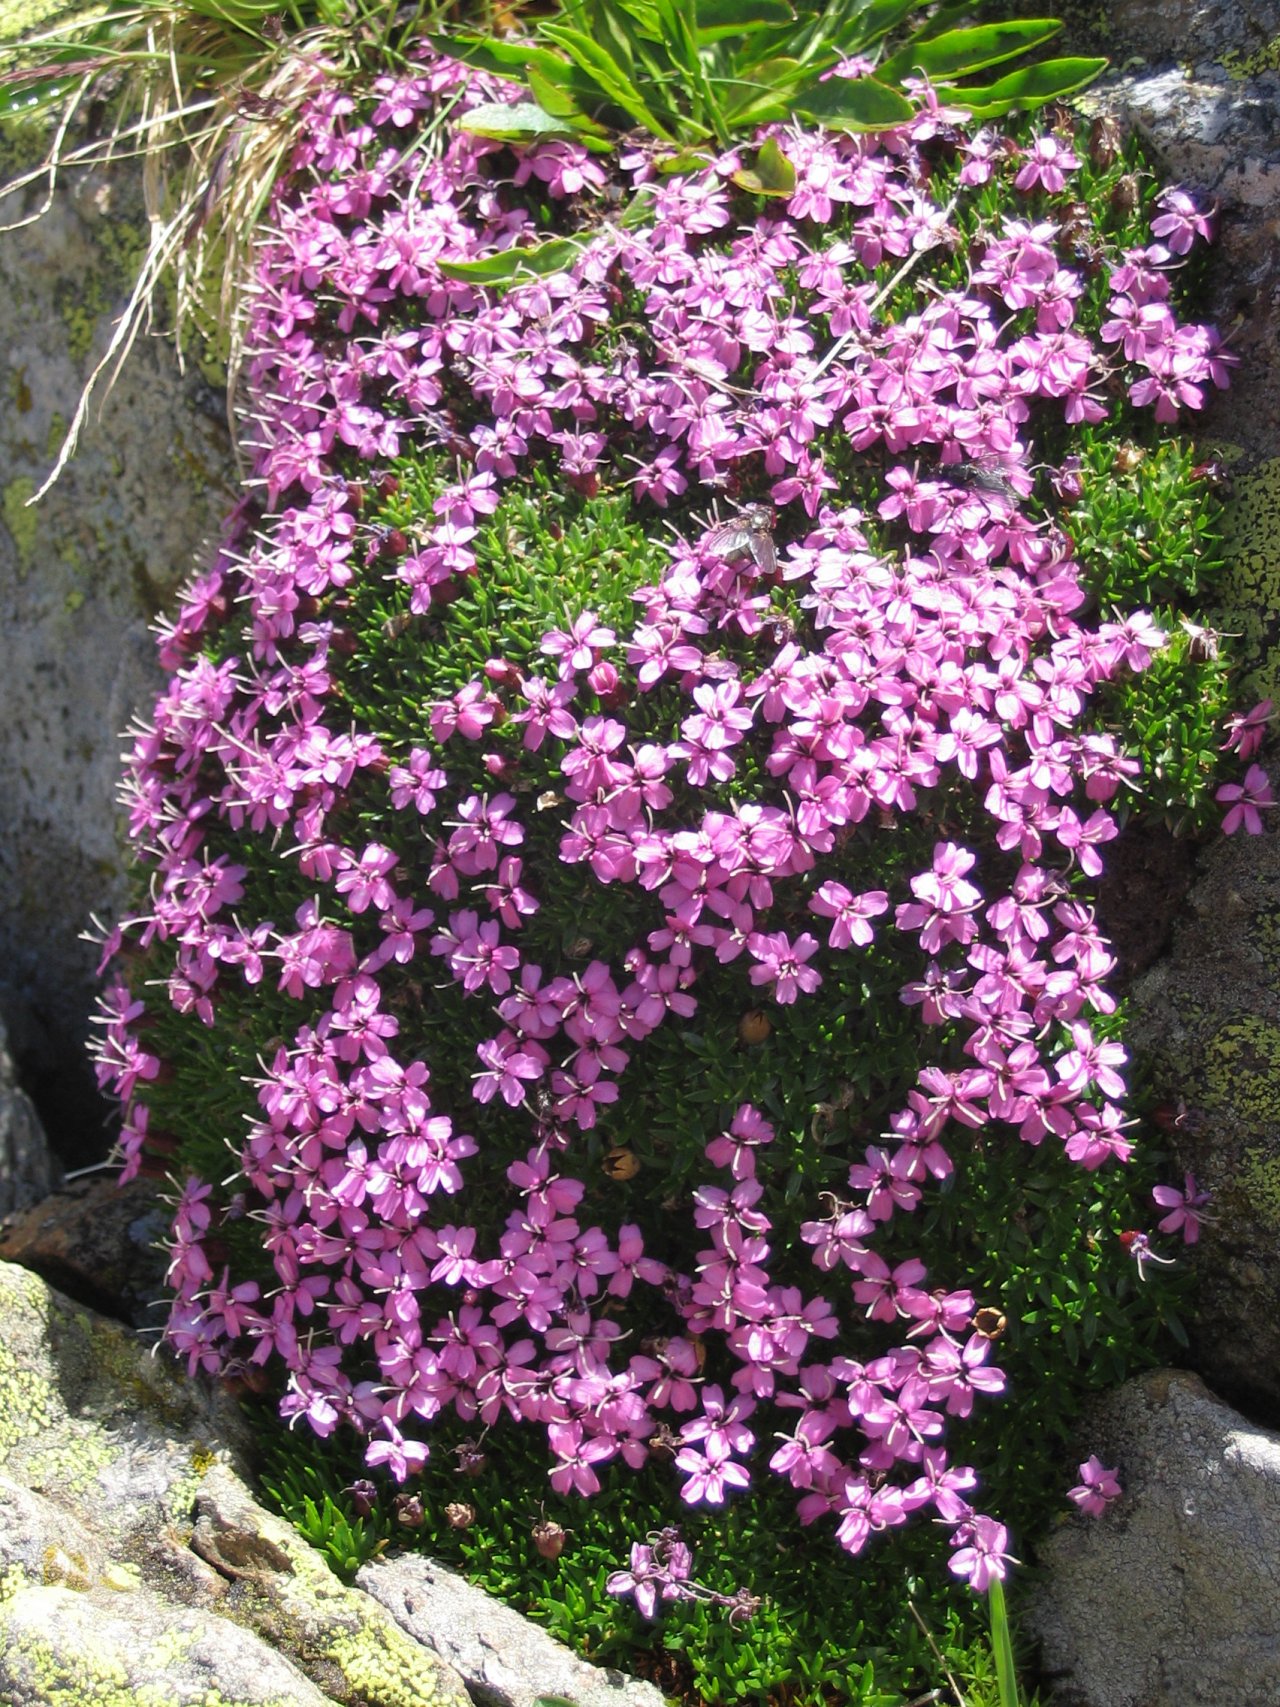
x=1259 y=1180
x=101 y=1675
x=1240 y=66
x=1248 y=602
x=13 y=1579
x=70 y=1569
x=21 y=521
x=383 y=1666
x=1242 y=1072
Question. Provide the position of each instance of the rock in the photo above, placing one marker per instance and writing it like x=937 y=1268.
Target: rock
x=504 y=1660
x=1207 y=1020
x=1169 y=1600
x=99 y=1242
x=1204 y=92
x=28 y=1168
x=134 y=1558
x=82 y=575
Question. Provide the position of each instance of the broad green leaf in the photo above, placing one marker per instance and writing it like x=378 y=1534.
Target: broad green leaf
x=772 y=175
x=853 y=103
x=958 y=53
x=762 y=87
x=867 y=25
x=513 y=121
x=715 y=20
x=537 y=261
x=1026 y=89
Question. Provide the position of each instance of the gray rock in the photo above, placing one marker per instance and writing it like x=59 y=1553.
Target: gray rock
x=504 y=1660
x=1172 y=1599
x=81 y=576
x=137 y=1567
x=29 y=1170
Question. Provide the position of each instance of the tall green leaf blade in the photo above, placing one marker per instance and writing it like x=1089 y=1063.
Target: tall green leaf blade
x=506 y=58
x=853 y=103
x=599 y=65
x=1027 y=89
x=557 y=99
x=716 y=20
x=959 y=53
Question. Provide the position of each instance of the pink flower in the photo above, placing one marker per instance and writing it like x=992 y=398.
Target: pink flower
x=982 y=1553
x=1097 y=1488
x=1184 y=1208
x=782 y=963
x=1048 y=160
x=1245 y=801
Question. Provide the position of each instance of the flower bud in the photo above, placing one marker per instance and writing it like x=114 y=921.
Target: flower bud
x=363 y=1496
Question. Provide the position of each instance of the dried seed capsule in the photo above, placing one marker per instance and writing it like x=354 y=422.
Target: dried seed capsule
x=549 y=1538
x=459 y=1515
x=621 y=1163
x=754 y=1027
x=409 y=1511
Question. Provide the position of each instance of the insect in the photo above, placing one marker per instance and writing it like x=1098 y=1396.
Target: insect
x=747 y=535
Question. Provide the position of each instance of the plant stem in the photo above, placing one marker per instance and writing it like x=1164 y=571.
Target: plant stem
x=1002 y=1645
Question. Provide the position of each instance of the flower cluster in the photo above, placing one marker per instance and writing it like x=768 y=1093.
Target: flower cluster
x=727 y=766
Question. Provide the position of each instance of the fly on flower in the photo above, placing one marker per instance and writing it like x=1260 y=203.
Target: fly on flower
x=749 y=534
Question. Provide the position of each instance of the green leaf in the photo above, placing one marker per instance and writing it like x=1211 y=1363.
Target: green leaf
x=513 y=121
x=868 y=24
x=555 y=99
x=507 y=58
x=603 y=69
x=764 y=92
x=853 y=103
x=772 y=175
x=536 y=261
x=958 y=53
x=1026 y=89
x=718 y=20
x=688 y=160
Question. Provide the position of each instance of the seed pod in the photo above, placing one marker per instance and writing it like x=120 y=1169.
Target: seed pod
x=989 y=1323
x=409 y=1511
x=754 y=1027
x=459 y=1515
x=1105 y=139
x=549 y=1538
x=621 y=1163
x=1125 y=195
x=471 y=1460
x=1128 y=457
